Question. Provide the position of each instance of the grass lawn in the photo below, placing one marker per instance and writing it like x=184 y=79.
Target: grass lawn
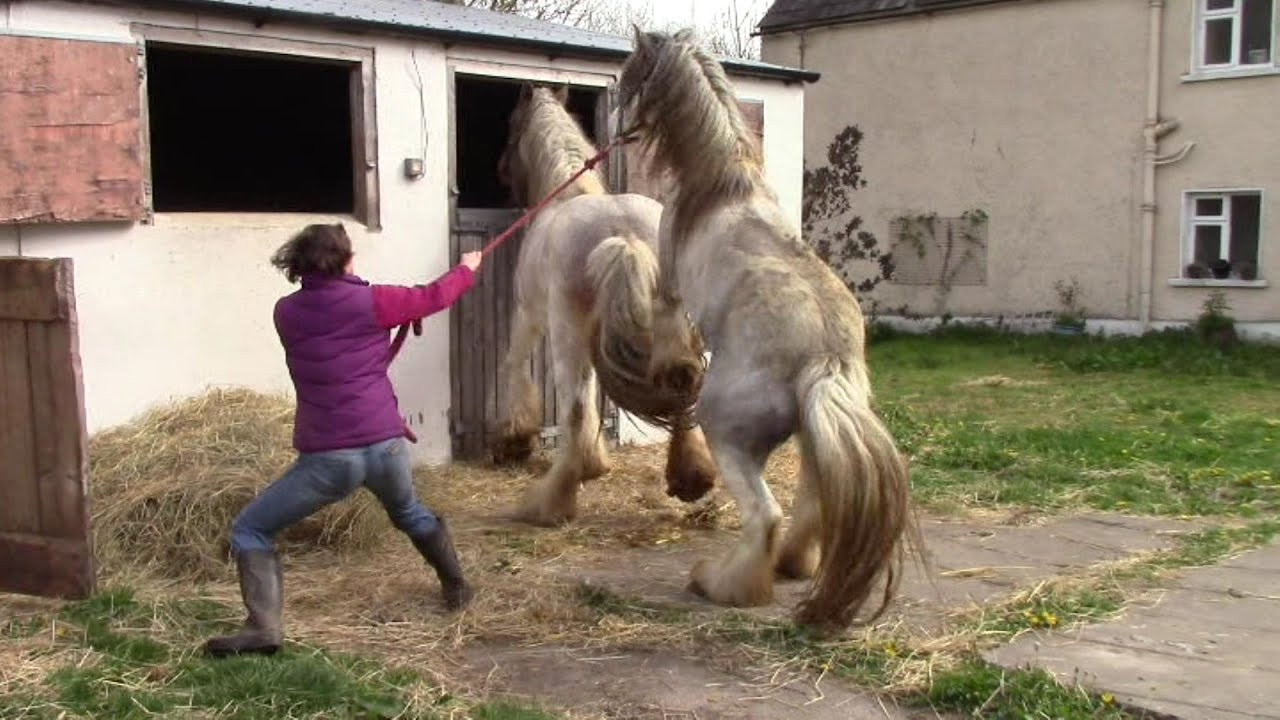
x=123 y=658
x=1161 y=425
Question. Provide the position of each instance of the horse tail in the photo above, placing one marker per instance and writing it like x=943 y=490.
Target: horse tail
x=623 y=272
x=862 y=487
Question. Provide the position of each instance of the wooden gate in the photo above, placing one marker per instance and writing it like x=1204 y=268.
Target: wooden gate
x=480 y=334
x=45 y=546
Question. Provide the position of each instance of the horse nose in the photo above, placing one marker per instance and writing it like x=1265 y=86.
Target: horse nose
x=681 y=378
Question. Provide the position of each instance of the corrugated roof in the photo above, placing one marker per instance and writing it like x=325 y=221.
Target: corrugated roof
x=461 y=24
x=795 y=14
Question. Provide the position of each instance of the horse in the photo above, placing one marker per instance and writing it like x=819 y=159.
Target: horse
x=787 y=342
x=587 y=273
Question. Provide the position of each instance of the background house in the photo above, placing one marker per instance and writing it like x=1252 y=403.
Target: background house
x=168 y=147
x=1122 y=143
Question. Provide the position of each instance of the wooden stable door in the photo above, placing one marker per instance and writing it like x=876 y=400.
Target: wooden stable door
x=480 y=321
x=480 y=325
x=45 y=544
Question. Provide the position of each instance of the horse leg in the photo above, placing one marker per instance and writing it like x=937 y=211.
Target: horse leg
x=524 y=416
x=553 y=498
x=588 y=438
x=691 y=472
x=745 y=418
x=799 y=557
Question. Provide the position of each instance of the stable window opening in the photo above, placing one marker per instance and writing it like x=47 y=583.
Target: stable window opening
x=1223 y=234
x=1235 y=33
x=483 y=109
x=233 y=131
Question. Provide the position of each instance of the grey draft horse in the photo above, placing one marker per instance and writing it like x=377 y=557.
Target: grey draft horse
x=787 y=343
x=587 y=273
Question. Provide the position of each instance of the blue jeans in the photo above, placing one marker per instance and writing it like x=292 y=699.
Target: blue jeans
x=319 y=479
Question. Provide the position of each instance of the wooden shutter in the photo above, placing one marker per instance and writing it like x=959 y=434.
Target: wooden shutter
x=44 y=521
x=70 y=139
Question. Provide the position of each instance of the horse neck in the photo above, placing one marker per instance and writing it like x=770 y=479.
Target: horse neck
x=554 y=151
x=544 y=183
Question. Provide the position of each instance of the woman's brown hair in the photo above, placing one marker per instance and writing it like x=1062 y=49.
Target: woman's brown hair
x=316 y=250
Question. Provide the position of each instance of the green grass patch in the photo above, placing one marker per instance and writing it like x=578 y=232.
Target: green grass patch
x=997 y=419
x=980 y=689
x=149 y=662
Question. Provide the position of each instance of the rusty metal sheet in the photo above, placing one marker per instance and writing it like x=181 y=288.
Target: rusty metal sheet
x=70 y=150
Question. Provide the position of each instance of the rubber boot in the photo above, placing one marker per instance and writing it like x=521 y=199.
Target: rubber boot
x=437 y=549
x=261 y=580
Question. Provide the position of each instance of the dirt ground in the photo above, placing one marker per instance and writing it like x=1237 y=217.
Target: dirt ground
x=529 y=634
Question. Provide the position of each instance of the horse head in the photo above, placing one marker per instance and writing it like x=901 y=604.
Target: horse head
x=512 y=172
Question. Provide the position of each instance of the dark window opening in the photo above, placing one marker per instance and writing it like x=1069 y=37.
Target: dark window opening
x=1255 y=46
x=238 y=132
x=483 y=108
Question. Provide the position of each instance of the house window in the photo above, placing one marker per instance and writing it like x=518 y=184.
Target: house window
x=239 y=131
x=1222 y=236
x=1235 y=33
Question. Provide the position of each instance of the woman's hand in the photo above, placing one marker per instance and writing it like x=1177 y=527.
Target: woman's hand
x=472 y=260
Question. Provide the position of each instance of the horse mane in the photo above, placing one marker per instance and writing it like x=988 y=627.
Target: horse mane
x=552 y=147
x=688 y=115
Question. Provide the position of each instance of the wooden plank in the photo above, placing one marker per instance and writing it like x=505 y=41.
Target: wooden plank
x=503 y=280
x=72 y=116
x=475 y=365
x=19 y=500
x=48 y=567
x=60 y=440
x=364 y=143
x=34 y=289
x=489 y=348
x=455 y=356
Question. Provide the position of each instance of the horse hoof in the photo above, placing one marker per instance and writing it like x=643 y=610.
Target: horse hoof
x=512 y=450
x=797 y=566
x=540 y=518
x=689 y=487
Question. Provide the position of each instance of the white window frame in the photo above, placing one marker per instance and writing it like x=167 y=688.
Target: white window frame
x=1190 y=221
x=1202 y=16
x=364 y=126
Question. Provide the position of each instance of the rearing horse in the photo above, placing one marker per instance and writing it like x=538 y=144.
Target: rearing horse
x=587 y=273
x=788 y=347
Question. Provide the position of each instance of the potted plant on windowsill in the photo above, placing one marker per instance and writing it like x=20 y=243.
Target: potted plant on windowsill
x=1197 y=271
x=1070 y=319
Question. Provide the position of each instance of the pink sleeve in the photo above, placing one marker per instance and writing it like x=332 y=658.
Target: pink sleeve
x=395 y=305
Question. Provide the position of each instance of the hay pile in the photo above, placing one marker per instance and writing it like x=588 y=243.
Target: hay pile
x=166 y=487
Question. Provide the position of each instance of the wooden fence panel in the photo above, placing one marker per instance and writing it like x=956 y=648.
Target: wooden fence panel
x=45 y=546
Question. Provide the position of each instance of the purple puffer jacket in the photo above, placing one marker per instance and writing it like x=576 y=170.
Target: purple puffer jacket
x=335 y=332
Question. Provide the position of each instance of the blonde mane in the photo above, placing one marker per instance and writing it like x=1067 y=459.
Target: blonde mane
x=687 y=110
x=551 y=147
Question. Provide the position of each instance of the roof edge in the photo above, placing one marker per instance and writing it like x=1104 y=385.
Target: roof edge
x=871 y=16
x=756 y=69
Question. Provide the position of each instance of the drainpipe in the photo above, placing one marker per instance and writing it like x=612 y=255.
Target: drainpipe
x=1152 y=131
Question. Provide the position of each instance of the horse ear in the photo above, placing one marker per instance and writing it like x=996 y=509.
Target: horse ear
x=562 y=94
x=526 y=91
x=642 y=40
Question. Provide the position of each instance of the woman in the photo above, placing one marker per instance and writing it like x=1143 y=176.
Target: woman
x=348 y=430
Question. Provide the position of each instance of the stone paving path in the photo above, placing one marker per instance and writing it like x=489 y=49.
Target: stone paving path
x=1208 y=647
x=973 y=562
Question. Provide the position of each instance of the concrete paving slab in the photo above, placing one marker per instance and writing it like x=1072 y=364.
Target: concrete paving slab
x=1208 y=648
